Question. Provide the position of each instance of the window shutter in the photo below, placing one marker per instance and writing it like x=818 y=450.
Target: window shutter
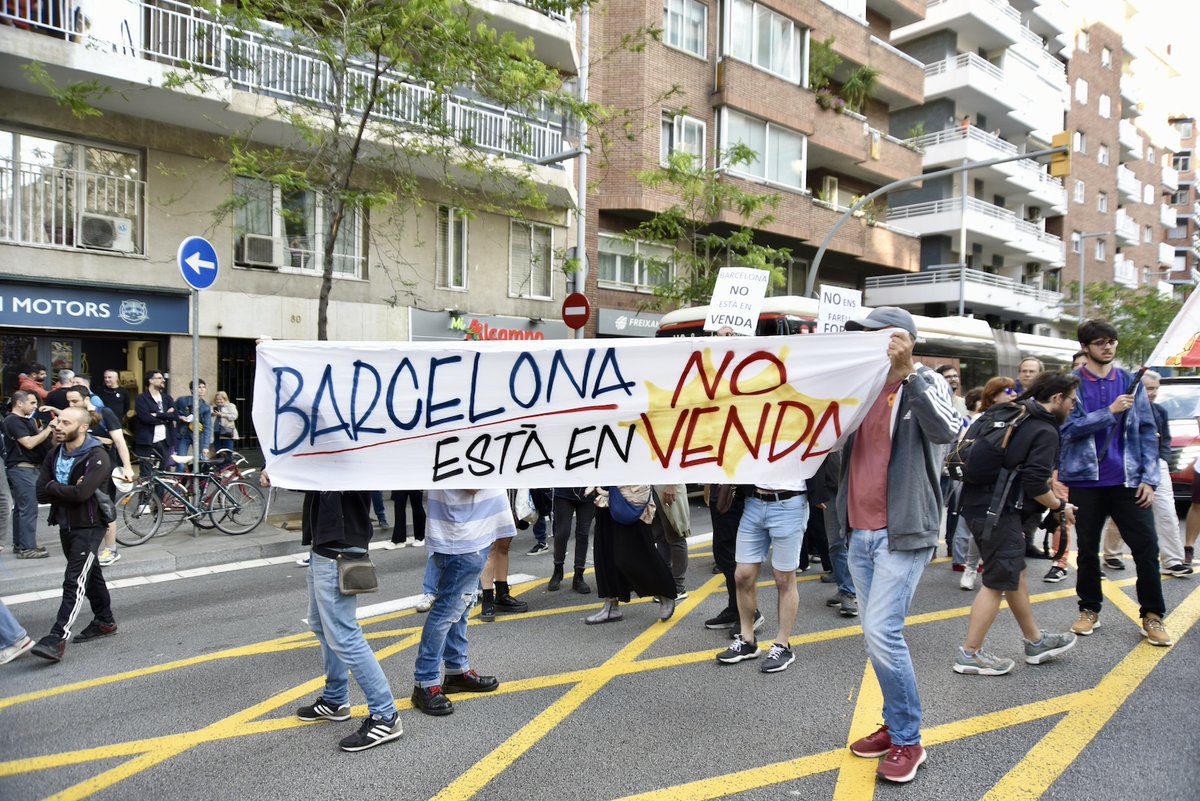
x=519 y=260
x=542 y=268
x=443 y=247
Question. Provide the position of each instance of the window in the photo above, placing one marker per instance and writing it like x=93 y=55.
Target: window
x=530 y=260
x=1184 y=127
x=1178 y=232
x=1080 y=192
x=68 y=193
x=1079 y=143
x=1182 y=161
x=295 y=222
x=1081 y=90
x=780 y=151
x=1076 y=242
x=1148 y=193
x=1104 y=106
x=765 y=39
x=1102 y=154
x=1149 y=154
x=682 y=134
x=632 y=264
x=1180 y=197
x=1102 y=202
x=1101 y=249
x=685 y=26
x=1083 y=41
x=451 y=248
x=1105 y=57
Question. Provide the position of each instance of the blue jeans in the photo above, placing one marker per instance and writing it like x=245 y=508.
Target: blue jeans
x=23 y=483
x=11 y=632
x=433 y=575
x=331 y=616
x=444 y=638
x=886 y=581
x=838 y=553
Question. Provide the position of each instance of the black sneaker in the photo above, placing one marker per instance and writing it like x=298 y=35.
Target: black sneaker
x=778 y=659
x=31 y=553
x=374 y=731
x=470 y=682
x=431 y=701
x=1055 y=575
x=50 y=648
x=321 y=709
x=1114 y=563
x=725 y=620
x=538 y=547
x=835 y=600
x=738 y=651
x=510 y=605
x=759 y=622
x=1179 y=571
x=94 y=630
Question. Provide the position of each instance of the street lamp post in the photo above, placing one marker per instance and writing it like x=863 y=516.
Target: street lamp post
x=1082 y=256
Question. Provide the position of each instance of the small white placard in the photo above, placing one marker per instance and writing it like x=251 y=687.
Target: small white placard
x=737 y=299
x=838 y=304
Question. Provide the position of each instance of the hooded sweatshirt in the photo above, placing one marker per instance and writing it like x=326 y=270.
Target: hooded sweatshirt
x=69 y=480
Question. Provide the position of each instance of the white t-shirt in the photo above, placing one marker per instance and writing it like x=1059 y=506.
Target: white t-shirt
x=466 y=521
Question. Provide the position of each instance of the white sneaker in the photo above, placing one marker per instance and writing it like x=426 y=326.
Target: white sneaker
x=16 y=649
x=967 y=582
x=108 y=556
x=391 y=546
x=418 y=543
x=425 y=603
x=303 y=559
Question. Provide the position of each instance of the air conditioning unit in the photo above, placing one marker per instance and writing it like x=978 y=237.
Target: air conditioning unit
x=261 y=251
x=106 y=233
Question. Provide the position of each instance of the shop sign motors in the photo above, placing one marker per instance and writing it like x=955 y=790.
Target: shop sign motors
x=91 y=308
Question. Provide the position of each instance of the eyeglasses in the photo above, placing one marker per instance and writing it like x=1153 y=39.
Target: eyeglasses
x=1102 y=343
x=1010 y=391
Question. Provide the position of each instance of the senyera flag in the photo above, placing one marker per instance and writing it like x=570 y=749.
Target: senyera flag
x=566 y=413
x=1180 y=345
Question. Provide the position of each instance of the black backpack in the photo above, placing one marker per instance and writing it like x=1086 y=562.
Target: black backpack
x=978 y=458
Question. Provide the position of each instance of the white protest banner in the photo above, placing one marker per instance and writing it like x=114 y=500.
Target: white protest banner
x=1180 y=343
x=838 y=305
x=560 y=413
x=736 y=300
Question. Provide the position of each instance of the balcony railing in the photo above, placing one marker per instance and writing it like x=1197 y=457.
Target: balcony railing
x=952 y=277
x=1127 y=228
x=58 y=207
x=971 y=133
x=1125 y=272
x=550 y=9
x=183 y=36
x=895 y=51
x=1128 y=183
x=1167 y=215
x=1128 y=136
x=1170 y=178
x=1166 y=254
x=963 y=61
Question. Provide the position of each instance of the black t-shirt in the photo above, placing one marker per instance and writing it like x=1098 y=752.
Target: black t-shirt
x=115 y=399
x=58 y=397
x=16 y=427
x=1034 y=449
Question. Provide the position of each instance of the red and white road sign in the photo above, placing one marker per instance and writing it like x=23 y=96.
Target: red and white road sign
x=576 y=310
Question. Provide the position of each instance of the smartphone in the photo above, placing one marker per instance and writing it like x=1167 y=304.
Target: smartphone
x=1137 y=379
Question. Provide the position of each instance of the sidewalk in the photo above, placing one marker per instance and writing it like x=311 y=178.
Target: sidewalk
x=173 y=552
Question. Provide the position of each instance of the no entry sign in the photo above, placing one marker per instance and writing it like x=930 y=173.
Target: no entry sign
x=576 y=310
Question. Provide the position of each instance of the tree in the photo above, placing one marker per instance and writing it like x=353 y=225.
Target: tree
x=1141 y=315
x=376 y=98
x=694 y=226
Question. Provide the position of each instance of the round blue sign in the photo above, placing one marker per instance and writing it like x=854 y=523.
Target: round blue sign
x=197 y=262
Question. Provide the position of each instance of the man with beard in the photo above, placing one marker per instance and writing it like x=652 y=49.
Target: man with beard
x=1109 y=462
x=1032 y=452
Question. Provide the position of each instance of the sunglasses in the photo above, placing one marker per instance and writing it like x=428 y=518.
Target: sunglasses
x=1010 y=391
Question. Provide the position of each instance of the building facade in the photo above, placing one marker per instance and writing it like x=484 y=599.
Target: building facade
x=1184 y=238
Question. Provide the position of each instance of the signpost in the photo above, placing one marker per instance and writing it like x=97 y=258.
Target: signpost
x=737 y=299
x=199 y=266
x=576 y=310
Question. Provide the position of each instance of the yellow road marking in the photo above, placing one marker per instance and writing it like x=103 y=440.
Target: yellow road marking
x=856 y=778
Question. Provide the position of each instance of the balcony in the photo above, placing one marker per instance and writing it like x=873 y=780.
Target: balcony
x=973 y=82
x=1131 y=99
x=1127 y=228
x=551 y=29
x=1168 y=216
x=997 y=229
x=980 y=292
x=1196 y=212
x=1023 y=176
x=175 y=35
x=1170 y=178
x=1125 y=272
x=987 y=24
x=1053 y=15
x=1128 y=184
x=1166 y=254
x=1130 y=139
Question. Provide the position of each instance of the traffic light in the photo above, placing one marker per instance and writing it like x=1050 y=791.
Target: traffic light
x=1060 y=163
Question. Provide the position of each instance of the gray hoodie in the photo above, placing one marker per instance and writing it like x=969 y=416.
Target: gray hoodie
x=924 y=423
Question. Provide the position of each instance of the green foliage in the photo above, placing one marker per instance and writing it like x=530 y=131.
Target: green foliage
x=822 y=63
x=1141 y=315
x=916 y=131
x=859 y=87
x=701 y=245
x=78 y=98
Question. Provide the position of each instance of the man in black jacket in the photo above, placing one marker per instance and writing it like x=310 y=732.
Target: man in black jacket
x=1032 y=452
x=70 y=476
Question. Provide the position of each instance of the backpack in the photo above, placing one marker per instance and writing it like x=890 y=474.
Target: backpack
x=978 y=458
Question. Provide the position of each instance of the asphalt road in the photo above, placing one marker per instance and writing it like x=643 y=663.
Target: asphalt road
x=194 y=699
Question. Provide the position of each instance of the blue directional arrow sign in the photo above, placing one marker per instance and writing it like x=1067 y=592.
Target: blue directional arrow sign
x=198 y=262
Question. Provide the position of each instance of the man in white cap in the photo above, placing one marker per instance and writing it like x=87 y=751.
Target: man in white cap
x=890 y=502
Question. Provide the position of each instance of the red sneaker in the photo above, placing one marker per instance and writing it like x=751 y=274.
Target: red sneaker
x=901 y=763
x=873 y=745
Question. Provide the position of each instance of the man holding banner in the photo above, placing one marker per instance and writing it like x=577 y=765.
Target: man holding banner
x=890 y=499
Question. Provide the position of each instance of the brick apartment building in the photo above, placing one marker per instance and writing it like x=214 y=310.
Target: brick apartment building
x=1184 y=238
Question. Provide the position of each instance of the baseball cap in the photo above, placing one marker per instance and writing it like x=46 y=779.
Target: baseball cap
x=884 y=317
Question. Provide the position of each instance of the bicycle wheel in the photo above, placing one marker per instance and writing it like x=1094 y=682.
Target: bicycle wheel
x=141 y=516
x=239 y=508
x=174 y=510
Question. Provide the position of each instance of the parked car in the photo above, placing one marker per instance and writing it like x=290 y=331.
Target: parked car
x=1181 y=395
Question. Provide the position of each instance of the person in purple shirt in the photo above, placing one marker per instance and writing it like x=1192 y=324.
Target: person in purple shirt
x=1109 y=461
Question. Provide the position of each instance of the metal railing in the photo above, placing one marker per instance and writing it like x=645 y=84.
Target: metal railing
x=551 y=9
x=960 y=132
x=975 y=206
x=43 y=205
x=1125 y=271
x=1126 y=226
x=964 y=61
x=895 y=51
x=182 y=36
x=953 y=277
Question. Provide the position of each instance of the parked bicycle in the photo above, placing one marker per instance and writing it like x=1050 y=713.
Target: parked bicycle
x=217 y=494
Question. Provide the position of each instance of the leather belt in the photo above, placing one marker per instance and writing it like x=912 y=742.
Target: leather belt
x=776 y=496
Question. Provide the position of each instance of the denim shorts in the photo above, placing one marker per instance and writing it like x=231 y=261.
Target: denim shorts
x=775 y=525
x=1002 y=551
